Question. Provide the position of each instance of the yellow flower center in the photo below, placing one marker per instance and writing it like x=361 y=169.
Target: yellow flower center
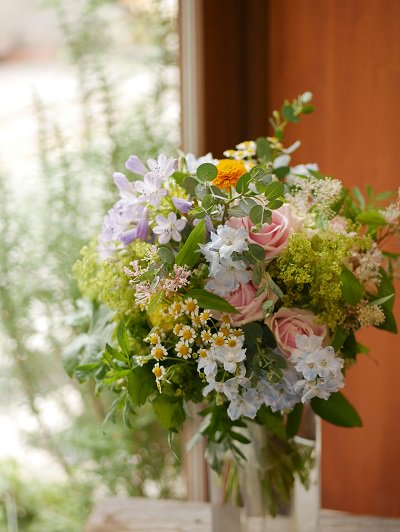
x=228 y=173
x=158 y=353
x=178 y=328
x=183 y=350
x=157 y=372
x=232 y=342
x=219 y=341
x=191 y=306
x=187 y=334
x=154 y=339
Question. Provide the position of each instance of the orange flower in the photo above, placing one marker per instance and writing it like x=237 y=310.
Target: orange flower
x=228 y=173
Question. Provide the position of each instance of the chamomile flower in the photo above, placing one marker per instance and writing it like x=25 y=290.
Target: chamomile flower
x=204 y=316
x=206 y=336
x=159 y=352
x=159 y=373
x=176 y=309
x=183 y=350
x=188 y=334
x=177 y=328
x=218 y=340
x=153 y=338
x=190 y=306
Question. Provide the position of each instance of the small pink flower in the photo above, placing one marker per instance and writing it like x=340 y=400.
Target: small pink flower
x=272 y=237
x=287 y=323
x=249 y=306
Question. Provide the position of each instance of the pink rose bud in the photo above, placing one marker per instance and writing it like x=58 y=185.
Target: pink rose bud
x=249 y=306
x=287 y=323
x=272 y=237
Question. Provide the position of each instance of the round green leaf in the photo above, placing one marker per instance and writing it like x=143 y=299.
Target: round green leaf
x=207 y=172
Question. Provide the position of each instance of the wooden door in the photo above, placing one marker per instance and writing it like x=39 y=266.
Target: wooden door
x=347 y=52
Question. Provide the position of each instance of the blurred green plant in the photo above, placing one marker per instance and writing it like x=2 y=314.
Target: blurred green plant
x=41 y=236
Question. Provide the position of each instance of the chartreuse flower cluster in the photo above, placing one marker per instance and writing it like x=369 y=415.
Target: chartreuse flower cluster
x=239 y=282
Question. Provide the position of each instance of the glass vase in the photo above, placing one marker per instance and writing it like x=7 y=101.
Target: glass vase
x=259 y=495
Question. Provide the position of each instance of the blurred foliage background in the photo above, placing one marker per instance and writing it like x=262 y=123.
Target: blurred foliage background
x=118 y=49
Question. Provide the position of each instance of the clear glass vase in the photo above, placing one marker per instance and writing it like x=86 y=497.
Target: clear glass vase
x=259 y=495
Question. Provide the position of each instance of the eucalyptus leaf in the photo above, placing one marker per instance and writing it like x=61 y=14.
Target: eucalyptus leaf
x=263 y=149
x=207 y=172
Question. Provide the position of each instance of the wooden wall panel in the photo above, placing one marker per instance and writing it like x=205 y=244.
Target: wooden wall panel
x=347 y=52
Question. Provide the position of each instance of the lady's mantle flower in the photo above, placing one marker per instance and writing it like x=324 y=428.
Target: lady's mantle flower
x=229 y=172
x=169 y=227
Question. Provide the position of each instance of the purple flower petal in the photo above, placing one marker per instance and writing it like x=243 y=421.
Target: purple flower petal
x=142 y=228
x=128 y=237
x=135 y=165
x=181 y=204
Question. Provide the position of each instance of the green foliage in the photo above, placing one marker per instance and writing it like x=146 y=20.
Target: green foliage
x=337 y=410
x=141 y=384
x=210 y=301
x=189 y=253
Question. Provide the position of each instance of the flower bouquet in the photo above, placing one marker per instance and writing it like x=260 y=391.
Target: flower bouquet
x=239 y=284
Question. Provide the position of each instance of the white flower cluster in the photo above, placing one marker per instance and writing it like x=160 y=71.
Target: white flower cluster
x=310 y=192
x=226 y=274
x=314 y=371
x=320 y=368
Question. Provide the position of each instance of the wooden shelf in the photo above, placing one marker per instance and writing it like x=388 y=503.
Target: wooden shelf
x=117 y=514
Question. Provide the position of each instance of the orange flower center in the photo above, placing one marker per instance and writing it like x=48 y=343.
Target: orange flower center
x=228 y=173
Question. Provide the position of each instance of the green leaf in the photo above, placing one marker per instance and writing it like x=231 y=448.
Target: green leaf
x=259 y=215
x=339 y=338
x=190 y=184
x=263 y=149
x=246 y=204
x=166 y=255
x=210 y=301
x=272 y=421
x=201 y=190
x=389 y=324
x=169 y=411
x=294 y=420
x=207 y=172
x=289 y=114
x=371 y=218
x=236 y=212
x=274 y=190
x=253 y=332
x=337 y=410
x=307 y=109
x=352 y=290
x=155 y=301
x=382 y=300
x=257 y=251
x=208 y=201
x=243 y=183
x=385 y=288
x=189 y=253
x=123 y=338
x=239 y=437
x=274 y=204
x=282 y=171
x=141 y=384
x=268 y=337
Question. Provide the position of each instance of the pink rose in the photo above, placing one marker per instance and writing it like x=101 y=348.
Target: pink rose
x=272 y=237
x=249 y=306
x=287 y=323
